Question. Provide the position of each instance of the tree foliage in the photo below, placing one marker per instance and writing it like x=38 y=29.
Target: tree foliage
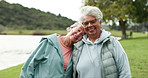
x=18 y=17
x=122 y=11
x=141 y=10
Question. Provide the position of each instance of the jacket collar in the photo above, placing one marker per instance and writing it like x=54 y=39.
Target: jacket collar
x=103 y=37
x=78 y=44
x=53 y=40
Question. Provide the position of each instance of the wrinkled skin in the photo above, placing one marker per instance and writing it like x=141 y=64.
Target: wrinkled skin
x=92 y=27
x=76 y=34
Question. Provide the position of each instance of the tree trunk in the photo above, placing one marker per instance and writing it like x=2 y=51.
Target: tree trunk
x=123 y=28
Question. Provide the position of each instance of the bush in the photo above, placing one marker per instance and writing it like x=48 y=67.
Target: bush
x=39 y=33
x=2 y=29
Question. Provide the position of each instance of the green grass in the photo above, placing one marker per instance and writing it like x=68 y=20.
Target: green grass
x=12 y=72
x=30 y=32
x=137 y=51
x=135 y=34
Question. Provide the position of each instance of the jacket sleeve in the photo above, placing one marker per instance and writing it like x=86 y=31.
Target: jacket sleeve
x=121 y=61
x=36 y=56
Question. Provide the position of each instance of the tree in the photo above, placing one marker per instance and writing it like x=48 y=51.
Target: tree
x=141 y=12
x=122 y=10
x=16 y=16
x=2 y=29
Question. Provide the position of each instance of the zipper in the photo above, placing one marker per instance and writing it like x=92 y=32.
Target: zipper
x=102 y=66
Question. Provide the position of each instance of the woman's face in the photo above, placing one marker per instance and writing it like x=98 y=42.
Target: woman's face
x=76 y=34
x=91 y=25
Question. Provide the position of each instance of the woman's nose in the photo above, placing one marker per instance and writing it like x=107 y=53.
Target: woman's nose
x=80 y=33
x=89 y=24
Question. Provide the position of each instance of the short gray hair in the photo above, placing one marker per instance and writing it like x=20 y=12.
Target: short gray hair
x=92 y=11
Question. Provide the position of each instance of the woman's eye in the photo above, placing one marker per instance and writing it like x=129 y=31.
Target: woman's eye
x=79 y=30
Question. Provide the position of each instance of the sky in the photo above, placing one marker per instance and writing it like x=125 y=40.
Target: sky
x=67 y=8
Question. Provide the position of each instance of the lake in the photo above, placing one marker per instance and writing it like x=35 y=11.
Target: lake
x=15 y=49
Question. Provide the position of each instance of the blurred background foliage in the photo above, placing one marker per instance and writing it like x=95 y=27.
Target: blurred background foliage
x=123 y=14
x=16 y=16
x=120 y=15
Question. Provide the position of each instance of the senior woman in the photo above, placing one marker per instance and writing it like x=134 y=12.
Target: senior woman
x=98 y=54
x=53 y=57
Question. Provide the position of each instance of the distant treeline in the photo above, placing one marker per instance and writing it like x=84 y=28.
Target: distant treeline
x=16 y=16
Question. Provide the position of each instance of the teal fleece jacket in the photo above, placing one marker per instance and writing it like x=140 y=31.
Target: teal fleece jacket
x=46 y=61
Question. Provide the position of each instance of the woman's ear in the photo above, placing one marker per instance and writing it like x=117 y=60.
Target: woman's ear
x=100 y=21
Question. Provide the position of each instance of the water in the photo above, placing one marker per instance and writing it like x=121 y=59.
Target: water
x=15 y=49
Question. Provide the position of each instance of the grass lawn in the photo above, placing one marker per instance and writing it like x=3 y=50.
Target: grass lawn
x=12 y=72
x=30 y=32
x=137 y=51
